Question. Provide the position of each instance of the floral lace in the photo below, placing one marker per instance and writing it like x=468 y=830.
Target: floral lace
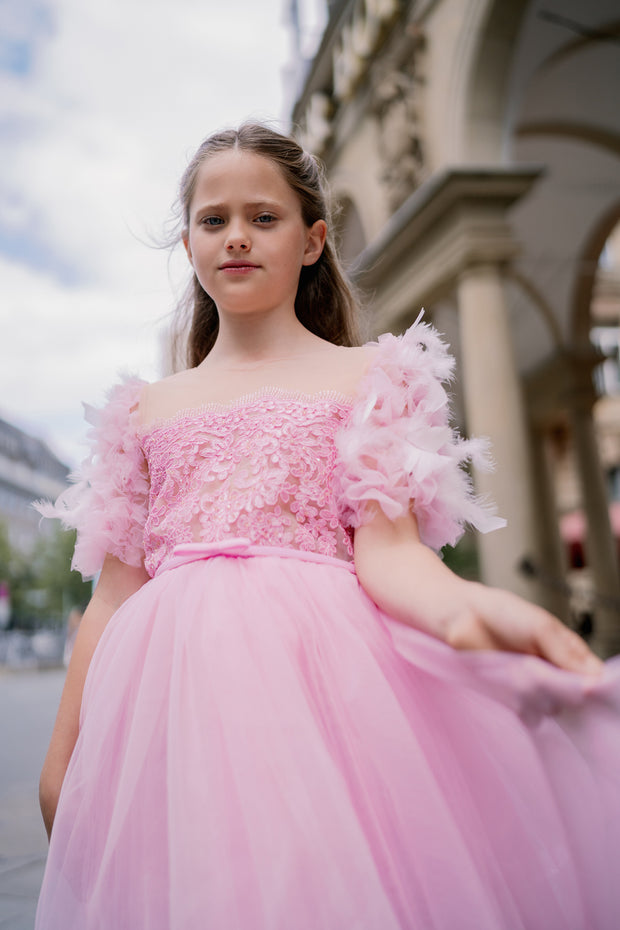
x=280 y=468
x=260 y=468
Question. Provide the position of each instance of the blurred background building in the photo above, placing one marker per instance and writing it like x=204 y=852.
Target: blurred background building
x=37 y=587
x=29 y=471
x=473 y=148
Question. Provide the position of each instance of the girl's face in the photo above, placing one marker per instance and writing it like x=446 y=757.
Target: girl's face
x=246 y=238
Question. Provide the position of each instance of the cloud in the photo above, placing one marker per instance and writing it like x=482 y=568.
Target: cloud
x=101 y=105
x=60 y=344
x=99 y=127
x=23 y=26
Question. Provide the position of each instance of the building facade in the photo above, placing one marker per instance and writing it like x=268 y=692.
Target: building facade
x=29 y=471
x=473 y=147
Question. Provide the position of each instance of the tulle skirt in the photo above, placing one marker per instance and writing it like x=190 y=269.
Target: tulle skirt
x=262 y=749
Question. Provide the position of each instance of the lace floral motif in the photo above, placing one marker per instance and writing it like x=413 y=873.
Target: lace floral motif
x=260 y=468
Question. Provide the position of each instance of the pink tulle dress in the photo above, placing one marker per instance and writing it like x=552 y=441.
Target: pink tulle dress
x=260 y=747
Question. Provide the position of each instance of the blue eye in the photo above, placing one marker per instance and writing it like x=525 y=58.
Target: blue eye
x=265 y=218
x=212 y=221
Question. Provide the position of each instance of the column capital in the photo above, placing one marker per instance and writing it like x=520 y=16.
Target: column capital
x=481 y=194
x=456 y=220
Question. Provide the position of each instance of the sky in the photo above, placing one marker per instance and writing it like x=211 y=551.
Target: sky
x=101 y=106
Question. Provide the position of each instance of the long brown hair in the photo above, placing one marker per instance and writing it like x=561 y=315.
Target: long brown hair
x=325 y=302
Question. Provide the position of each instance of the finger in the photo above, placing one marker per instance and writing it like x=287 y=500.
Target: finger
x=564 y=648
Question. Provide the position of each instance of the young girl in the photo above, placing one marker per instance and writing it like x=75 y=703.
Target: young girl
x=283 y=712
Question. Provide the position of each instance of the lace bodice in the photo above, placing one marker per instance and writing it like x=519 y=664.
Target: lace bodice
x=278 y=468
x=261 y=468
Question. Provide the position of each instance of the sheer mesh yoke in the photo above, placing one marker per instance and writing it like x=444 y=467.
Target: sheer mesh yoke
x=259 y=468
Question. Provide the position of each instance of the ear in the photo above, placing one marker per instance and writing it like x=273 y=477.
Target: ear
x=315 y=242
x=187 y=246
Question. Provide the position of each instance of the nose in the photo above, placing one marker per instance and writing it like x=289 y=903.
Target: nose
x=238 y=240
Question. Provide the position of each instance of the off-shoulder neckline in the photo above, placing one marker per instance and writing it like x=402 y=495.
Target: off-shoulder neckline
x=344 y=400
x=223 y=408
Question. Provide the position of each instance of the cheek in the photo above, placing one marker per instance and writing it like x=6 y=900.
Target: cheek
x=199 y=251
x=191 y=247
x=297 y=250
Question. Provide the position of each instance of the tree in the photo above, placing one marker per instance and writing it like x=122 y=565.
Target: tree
x=43 y=589
x=64 y=588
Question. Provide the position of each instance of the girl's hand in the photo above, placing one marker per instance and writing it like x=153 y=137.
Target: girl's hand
x=410 y=583
x=496 y=619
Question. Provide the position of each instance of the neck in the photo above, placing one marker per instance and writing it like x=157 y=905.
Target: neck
x=255 y=338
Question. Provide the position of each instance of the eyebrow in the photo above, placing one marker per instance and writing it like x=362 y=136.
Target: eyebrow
x=222 y=207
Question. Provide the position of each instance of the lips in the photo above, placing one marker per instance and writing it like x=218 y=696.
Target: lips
x=238 y=266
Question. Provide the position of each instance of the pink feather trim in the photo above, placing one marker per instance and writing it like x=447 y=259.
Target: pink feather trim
x=399 y=449
x=107 y=502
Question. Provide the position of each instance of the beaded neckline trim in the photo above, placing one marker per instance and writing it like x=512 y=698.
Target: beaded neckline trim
x=338 y=398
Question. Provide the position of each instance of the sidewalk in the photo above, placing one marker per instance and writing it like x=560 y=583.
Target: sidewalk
x=28 y=703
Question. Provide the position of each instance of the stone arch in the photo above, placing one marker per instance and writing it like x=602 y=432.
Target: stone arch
x=575 y=135
x=486 y=108
x=586 y=273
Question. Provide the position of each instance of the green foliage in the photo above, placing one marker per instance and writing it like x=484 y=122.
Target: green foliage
x=14 y=570
x=43 y=588
x=6 y=552
x=463 y=558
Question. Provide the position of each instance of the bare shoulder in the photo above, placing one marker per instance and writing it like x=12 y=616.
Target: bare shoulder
x=351 y=355
x=339 y=368
x=164 y=398
x=357 y=360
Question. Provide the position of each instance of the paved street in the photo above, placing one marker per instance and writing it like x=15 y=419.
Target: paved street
x=28 y=702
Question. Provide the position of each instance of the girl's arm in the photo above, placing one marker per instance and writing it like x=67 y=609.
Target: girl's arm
x=116 y=583
x=410 y=583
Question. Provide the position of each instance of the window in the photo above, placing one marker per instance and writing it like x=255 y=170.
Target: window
x=607 y=374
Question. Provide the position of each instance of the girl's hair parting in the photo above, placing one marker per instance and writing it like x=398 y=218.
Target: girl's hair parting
x=325 y=301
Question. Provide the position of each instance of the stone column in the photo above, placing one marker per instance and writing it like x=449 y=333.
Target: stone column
x=600 y=543
x=553 y=565
x=494 y=407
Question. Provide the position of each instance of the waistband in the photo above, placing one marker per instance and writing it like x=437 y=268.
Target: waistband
x=240 y=547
